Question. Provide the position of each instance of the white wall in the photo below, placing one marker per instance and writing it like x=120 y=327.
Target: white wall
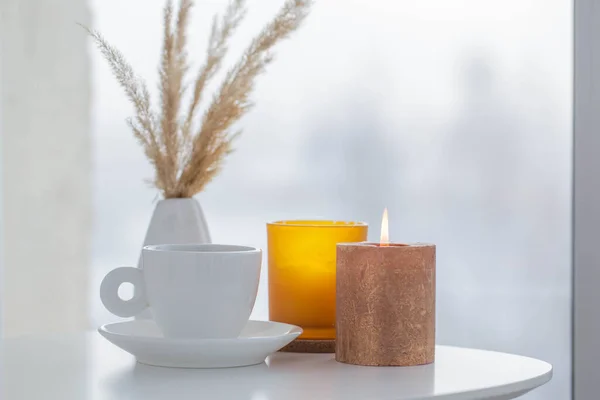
x=45 y=101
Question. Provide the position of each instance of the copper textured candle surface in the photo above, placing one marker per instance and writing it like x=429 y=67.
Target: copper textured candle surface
x=385 y=300
x=302 y=265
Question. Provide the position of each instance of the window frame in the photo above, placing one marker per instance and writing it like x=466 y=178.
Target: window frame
x=586 y=197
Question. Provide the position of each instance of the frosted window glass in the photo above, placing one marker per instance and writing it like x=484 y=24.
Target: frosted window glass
x=453 y=114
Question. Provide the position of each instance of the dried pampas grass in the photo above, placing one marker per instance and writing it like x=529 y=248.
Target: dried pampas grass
x=187 y=148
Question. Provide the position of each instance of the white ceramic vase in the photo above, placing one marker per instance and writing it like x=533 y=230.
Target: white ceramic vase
x=176 y=221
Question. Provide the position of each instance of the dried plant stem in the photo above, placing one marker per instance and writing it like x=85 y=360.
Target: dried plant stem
x=217 y=49
x=143 y=124
x=186 y=161
x=214 y=139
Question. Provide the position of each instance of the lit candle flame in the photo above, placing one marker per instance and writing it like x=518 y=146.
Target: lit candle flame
x=384 y=241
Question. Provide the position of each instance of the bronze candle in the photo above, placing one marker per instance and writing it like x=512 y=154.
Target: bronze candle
x=385 y=304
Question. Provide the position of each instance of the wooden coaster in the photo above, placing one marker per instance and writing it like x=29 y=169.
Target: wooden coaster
x=310 y=346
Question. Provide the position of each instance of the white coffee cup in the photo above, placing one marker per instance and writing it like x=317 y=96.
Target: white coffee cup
x=193 y=291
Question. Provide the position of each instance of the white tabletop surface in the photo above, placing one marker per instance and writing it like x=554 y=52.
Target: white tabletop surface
x=87 y=367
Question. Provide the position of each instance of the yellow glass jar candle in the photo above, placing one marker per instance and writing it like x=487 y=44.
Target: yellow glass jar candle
x=302 y=272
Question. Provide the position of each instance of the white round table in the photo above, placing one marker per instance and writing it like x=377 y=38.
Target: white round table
x=87 y=367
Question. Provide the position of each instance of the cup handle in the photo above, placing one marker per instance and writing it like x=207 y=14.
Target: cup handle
x=109 y=292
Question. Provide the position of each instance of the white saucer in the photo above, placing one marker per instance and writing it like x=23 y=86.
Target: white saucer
x=144 y=340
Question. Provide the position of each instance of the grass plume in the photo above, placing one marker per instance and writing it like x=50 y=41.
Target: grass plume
x=187 y=147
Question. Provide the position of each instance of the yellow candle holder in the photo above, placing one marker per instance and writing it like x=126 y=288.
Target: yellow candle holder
x=302 y=265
